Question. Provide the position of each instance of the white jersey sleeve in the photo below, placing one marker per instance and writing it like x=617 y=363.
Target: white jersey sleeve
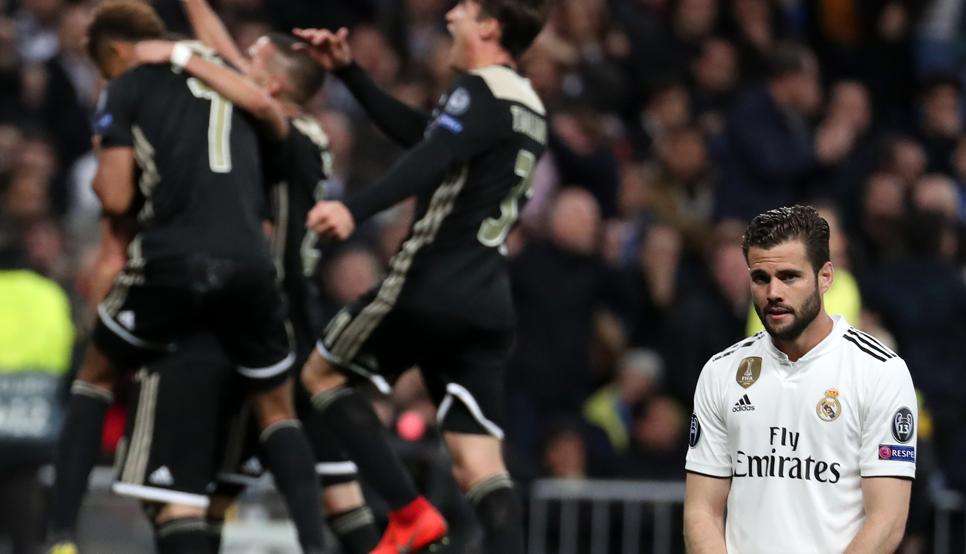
x=890 y=419
x=708 y=451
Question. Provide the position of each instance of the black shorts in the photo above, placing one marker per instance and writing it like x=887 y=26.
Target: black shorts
x=240 y=464
x=143 y=317
x=462 y=364
x=173 y=441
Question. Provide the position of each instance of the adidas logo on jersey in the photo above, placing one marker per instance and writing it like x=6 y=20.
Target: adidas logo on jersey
x=161 y=476
x=743 y=405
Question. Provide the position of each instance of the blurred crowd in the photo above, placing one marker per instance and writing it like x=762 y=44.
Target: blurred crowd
x=673 y=123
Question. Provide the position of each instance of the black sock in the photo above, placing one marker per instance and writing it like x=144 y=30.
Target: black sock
x=213 y=530
x=77 y=450
x=356 y=530
x=289 y=457
x=350 y=417
x=186 y=535
x=500 y=514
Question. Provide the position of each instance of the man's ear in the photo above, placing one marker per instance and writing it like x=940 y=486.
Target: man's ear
x=826 y=276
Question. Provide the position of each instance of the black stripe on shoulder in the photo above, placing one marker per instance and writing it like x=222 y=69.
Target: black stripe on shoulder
x=707 y=474
x=735 y=347
x=863 y=348
x=871 y=344
x=875 y=340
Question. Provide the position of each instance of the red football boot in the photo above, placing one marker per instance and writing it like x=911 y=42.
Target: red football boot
x=416 y=527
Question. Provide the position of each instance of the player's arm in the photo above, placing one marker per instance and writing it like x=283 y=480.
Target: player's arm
x=705 y=498
x=116 y=234
x=708 y=464
x=237 y=88
x=886 y=502
x=210 y=29
x=400 y=122
x=114 y=180
x=887 y=459
x=452 y=139
x=114 y=140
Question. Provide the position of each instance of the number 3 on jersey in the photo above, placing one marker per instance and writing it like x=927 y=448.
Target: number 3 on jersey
x=494 y=230
x=219 y=126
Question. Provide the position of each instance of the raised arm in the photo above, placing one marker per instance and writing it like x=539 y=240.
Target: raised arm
x=886 y=501
x=433 y=164
x=210 y=30
x=235 y=87
x=401 y=123
x=705 y=498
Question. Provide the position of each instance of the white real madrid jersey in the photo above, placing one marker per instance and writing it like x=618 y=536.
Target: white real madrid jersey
x=796 y=438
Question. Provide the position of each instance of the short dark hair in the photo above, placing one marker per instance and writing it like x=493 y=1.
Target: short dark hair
x=520 y=21
x=305 y=76
x=786 y=58
x=128 y=20
x=771 y=228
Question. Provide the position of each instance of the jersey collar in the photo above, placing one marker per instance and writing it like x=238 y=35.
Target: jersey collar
x=839 y=327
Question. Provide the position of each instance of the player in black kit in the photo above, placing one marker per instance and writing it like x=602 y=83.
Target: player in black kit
x=446 y=304
x=297 y=163
x=199 y=261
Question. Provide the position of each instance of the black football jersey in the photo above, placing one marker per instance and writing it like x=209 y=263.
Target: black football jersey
x=296 y=169
x=492 y=126
x=199 y=166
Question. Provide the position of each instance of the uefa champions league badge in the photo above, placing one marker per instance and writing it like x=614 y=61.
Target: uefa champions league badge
x=829 y=408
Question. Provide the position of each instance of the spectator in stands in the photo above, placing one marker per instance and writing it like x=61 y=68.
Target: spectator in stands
x=708 y=316
x=581 y=156
x=770 y=151
x=941 y=121
x=921 y=298
x=883 y=208
x=658 y=440
x=656 y=278
x=681 y=189
x=36 y=340
x=559 y=285
x=639 y=374
x=714 y=76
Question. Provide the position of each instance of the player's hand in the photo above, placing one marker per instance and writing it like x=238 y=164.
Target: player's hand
x=328 y=49
x=331 y=220
x=153 y=51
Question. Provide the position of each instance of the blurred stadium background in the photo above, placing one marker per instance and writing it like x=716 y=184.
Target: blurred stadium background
x=674 y=122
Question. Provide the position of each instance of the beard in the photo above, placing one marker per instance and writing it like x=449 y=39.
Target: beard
x=802 y=318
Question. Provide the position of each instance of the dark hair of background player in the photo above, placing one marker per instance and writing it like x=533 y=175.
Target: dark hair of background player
x=774 y=227
x=520 y=21
x=304 y=75
x=786 y=59
x=128 y=20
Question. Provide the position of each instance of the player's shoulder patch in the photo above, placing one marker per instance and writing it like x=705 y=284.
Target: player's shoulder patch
x=506 y=84
x=740 y=345
x=869 y=345
x=458 y=101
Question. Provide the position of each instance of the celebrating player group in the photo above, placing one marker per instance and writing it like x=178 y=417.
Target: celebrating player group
x=212 y=175
x=201 y=148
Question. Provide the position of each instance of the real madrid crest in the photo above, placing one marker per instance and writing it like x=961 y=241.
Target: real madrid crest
x=749 y=370
x=829 y=408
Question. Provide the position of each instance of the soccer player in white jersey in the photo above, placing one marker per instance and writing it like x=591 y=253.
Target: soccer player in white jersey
x=805 y=432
